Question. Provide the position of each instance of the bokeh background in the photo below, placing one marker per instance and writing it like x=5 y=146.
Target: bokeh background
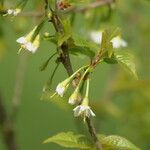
x=121 y=103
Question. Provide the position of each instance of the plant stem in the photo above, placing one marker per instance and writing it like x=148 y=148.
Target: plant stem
x=65 y=60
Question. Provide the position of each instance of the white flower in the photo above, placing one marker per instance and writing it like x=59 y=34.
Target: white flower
x=84 y=111
x=96 y=36
x=60 y=90
x=21 y=40
x=62 y=87
x=10 y=11
x=117 y=41
x=27 y=43
x=16 y=11
x=13 y=12
x=74 y=98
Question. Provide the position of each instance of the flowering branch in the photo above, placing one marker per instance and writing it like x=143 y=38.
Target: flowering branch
x=65 y=60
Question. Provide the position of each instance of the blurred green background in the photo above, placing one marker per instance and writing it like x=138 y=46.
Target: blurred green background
x=120 y=103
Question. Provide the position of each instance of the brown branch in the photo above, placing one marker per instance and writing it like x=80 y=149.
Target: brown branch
x=73 y=9
x=7 y=128
x=7 y=121
x=92 y=5
x=92 y=131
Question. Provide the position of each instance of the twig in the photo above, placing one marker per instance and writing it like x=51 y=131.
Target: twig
x=74 y=9
x=92 y=131
x=7 y=121
x=7 y=128
x=89 y=6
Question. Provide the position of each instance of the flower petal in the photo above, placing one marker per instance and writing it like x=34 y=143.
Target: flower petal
x=96 y=36
x=29 y=46
x=10 y=11
x=118 y=42
x=76 y=111
x=60 y=90
x=21 y=40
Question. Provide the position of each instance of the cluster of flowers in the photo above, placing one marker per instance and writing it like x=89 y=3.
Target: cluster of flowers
x=83 y=108
x=31 y=41
x=28 y=43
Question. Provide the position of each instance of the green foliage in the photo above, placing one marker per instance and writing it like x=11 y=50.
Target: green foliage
x=81 y=46
x=45 y=64
x=72 y=140
x=111 y=56
x=67 y=32
x=126 y=60
x=107 y=36
x=114 y=142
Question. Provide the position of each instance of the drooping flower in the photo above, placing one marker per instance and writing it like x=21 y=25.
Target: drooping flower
x=84 y=109
x=117 y=41
x=28 y=42
x=75 y=98
x=62 y=87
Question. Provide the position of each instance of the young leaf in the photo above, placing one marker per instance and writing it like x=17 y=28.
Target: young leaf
x=106 y=45
x=62 y=38
x=79 y=41
x=80 y=46
x=45 y=64
x=126 y=60
x=114 y=33
x=71 y=140
x=81 y=51
x=67 y=32
x=114 y=142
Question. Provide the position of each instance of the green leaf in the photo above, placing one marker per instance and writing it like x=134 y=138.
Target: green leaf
x=80 y=46
x=62 y=38
x=71 y=140
x=110 y=60
x=67 y=32
x=126 y=60
x=114 y=142
x=45 y=64
x=115 y=32
x=106 y=45
x=79 y=41
x=50 y=38
x=82 y=51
